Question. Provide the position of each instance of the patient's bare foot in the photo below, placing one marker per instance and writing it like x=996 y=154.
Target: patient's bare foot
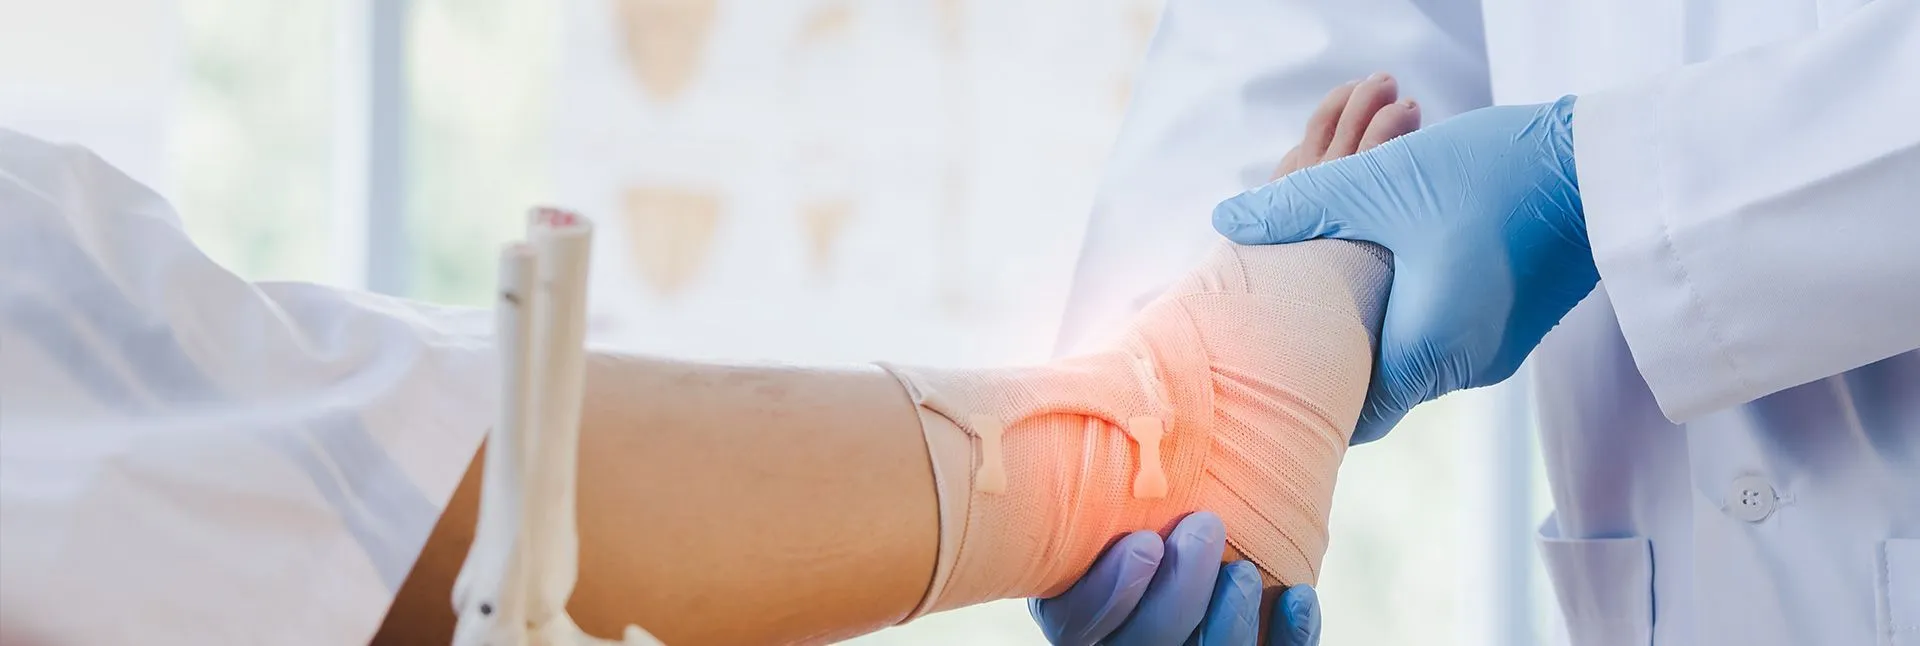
x=1353 y=117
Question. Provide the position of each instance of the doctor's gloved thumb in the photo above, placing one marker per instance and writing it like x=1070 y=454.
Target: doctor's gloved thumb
x=1310 y=203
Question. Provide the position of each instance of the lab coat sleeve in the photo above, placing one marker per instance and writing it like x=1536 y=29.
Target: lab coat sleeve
x=1755 y=217
x=188 y=457
x=1225 y=90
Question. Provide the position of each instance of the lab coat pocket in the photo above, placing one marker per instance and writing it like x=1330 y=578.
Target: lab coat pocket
x=1605 y=587
x=1900 y=592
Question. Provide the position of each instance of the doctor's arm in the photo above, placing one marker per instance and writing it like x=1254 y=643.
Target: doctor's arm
x=1753 y=217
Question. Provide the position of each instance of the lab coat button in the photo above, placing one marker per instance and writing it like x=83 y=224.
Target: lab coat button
x=1752 y=499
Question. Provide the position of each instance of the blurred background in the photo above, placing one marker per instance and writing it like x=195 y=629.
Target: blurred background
x=801 y=180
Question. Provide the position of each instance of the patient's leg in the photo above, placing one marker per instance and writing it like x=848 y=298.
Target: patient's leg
x=755 y=505
x=725 y=505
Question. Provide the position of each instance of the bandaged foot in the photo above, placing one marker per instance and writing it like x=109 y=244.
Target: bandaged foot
x=1235 y=392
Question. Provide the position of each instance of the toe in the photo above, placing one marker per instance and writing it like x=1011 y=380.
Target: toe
x=1398 y=118
x=1291 y=162
x=1322 y=125
x=1377 y=92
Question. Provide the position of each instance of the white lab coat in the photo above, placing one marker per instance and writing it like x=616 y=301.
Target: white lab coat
x=189 y=458
x=1731 y=422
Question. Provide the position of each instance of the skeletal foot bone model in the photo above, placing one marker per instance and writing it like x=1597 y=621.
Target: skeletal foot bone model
x=520 y=571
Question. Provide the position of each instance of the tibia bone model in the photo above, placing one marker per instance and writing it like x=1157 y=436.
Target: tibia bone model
x=520 y=571
x=1236 y=392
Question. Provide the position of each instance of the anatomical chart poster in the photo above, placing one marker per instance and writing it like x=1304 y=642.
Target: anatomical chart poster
x=838 y=180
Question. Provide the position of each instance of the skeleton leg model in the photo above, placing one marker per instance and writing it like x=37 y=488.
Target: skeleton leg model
x=520 y=571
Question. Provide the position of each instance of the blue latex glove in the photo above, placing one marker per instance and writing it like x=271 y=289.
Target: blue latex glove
x=1482 y=214
x=1146 y=593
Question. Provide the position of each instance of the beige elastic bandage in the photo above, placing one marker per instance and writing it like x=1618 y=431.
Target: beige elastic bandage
x=1235 y=392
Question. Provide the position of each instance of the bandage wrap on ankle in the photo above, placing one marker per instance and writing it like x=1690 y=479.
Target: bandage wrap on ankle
x=1236 y=392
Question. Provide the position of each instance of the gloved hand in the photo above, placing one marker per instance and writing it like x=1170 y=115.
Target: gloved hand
x=1482 y=213
x=1144 y=593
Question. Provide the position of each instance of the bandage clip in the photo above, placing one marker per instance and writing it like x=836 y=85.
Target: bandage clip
x=1150 y=481
x=991 y=475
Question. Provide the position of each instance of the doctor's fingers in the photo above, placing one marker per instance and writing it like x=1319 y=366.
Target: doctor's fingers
x=1233 y=617
x=1182 y=589
x=1296 y=618
x=1368 y=98
x=1097 y=605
